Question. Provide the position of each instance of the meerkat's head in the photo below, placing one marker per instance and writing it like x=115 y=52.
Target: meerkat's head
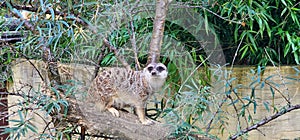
x=156 y=75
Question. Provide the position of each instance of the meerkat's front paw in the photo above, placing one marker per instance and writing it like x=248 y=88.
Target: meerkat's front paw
x=147 y=122
x=114 y=112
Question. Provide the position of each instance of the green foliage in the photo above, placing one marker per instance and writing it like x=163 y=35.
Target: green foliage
x=37 y=106
x=21 y=126
x=189 y=107
x=264 y=26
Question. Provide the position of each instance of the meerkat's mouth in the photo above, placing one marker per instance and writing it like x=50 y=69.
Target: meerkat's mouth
x=156 y=77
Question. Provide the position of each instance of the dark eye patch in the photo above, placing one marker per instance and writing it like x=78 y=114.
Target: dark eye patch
x=150 y=68
x=160 y=68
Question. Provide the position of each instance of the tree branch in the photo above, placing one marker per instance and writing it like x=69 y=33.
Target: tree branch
x=100 y=58
x=265 y=121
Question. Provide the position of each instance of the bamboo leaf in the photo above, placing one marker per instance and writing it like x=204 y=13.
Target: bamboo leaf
x=283 y=2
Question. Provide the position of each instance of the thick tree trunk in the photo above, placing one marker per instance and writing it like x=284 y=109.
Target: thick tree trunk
x=158 y=30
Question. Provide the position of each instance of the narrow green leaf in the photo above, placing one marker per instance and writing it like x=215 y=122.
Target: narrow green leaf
x=31 y=127
x=258 y=70
x=17 y=121
x=245 y=50
x=253 y=43
x=236 y=33
x=234 y=102
x=206 y=22
x=269 y=31
x=288 y=37
x=296 y=58
x=283 y=11
x=21 y=116
x=272 y=91
x=283 y=2
x=254 y=107
x=266 y=105
x=262 y=84
x=286 y=49
x=9 y=5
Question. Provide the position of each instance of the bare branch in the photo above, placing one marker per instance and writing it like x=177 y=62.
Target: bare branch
x=265 y=121
x=134 y=46
x=131 y=32
x=215 y=114
x=281 y=94
x=100 y=58
x=281 y=78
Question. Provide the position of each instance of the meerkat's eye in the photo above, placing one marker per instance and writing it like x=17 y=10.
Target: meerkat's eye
x=150 y=68
x=160 y=68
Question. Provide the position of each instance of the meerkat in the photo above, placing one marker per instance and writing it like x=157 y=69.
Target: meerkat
x=118 y=87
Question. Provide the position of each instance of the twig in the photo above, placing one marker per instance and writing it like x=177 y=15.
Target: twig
x=133 y=40
x=278 y=91
x=101 y=135
x=236 y=94
x=133 y=43
x=265 y=121
x=215 y=114
x=47 y=126
x=116 y=52
x=235 y=54
x=100 y=58
x=236 y=110
x=16 y=94
x=281 y=78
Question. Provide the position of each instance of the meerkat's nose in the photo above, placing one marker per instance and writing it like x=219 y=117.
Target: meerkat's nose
x=153 y=73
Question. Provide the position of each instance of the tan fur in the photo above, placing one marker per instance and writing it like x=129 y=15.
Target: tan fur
x=118 y=87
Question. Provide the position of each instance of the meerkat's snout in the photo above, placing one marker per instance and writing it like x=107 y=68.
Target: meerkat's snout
x=153 y=73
